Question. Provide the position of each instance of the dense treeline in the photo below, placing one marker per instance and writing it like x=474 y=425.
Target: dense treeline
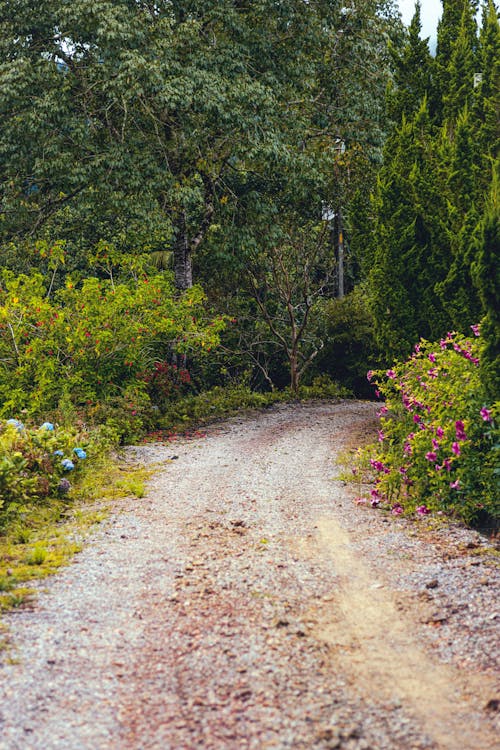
x=433 y=228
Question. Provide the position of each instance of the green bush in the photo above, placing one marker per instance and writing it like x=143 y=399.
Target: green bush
x=439 y=439
x=36 y=463
x=346 y=326
x=94 y=343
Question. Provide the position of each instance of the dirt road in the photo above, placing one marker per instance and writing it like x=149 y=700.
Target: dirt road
x=247 y=602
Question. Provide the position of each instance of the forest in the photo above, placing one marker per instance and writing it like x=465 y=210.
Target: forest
x=211 y=205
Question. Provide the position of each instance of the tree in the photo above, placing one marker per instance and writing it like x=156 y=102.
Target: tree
x=412 y=72
x=139 y=123
x=410 y=248
x=287 y=279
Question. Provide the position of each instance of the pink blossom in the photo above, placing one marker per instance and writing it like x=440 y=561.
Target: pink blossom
x=475 y=329
x=439 y=432
x=397 y=509
x=431 y=456
x=423 y=510
x=391 y=374
x=486 y=414
x=408 y=449
x=383 y=410
x=435 y=444
x=456 y=449
x=455 y=485
x=447 y=464
x=460 y=430
x=432 y=357
x=417 y=348
x=369 y=374
x=417 y=419
x=377 y=393
x=381 y=436
x=432 y=373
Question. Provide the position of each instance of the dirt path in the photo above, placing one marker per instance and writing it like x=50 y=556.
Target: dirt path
x=246 y=602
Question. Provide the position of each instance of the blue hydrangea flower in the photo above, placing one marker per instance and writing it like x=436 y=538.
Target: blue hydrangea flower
x=80 y=453
x=47 y=426
x=17 y=424
x=58 y=453
x=67 y=464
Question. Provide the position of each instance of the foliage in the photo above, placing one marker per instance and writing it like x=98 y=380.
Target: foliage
x=439 y=436
x=94 y=343
x=223 y=401
x=346 y=327
x=36 y=463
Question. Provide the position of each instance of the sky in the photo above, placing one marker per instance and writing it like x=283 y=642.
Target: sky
x=430 y=14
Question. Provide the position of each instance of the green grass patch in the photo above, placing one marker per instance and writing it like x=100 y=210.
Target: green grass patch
x=46 y=535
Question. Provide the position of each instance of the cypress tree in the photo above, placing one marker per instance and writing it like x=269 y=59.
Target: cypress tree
x=412 y=72
x=486 y=275
x=461 y=68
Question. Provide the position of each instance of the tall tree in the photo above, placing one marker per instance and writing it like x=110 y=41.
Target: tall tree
x=411 y=80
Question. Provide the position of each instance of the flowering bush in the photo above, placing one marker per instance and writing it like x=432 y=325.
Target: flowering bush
x=438 y=439
x=165 y=382
x=90 y=343
x=35 y=463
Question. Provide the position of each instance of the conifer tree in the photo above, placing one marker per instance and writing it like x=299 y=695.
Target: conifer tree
x=460 y=70
x=412 y=72
x=486 y=274
x=410 y=245
x=487 y=98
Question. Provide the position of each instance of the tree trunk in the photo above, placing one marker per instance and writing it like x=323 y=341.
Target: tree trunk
x=183 y=265
x=294 y=373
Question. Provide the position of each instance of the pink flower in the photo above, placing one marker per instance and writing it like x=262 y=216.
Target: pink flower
x=423 y=510
x=391 y=374
x=369 y=374
x=455 y=449
x=383 y=410
x=447 y=464
x=439 y=432
x=486 y=414
x=408 y=449
x=431 y=456
x=455 y=485
x=432 y=357
x=377 y=393
x=475 y=329
x=460 y=430
x=417 y=419
x=397 y=509
x=417 y=348
x=381 y=436
x=432 y=373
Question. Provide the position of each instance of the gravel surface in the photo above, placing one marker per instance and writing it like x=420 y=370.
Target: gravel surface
x=247 y=602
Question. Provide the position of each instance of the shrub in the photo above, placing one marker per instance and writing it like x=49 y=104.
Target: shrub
x=37 y=463
x=438 y=441
x=91 y=343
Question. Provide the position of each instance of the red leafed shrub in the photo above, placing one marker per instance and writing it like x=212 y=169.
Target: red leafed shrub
x=165 y=382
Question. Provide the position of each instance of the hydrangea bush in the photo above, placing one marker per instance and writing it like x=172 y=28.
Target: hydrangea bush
x=438 y=442
x=37 y=463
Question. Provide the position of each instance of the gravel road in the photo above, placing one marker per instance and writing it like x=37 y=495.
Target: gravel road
x=247 y=602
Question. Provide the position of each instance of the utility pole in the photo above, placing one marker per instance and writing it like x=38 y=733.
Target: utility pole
x=340 y=245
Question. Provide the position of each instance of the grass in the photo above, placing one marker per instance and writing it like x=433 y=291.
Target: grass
x=46 y=536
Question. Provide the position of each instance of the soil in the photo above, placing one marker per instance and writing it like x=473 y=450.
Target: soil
x=247 y=602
